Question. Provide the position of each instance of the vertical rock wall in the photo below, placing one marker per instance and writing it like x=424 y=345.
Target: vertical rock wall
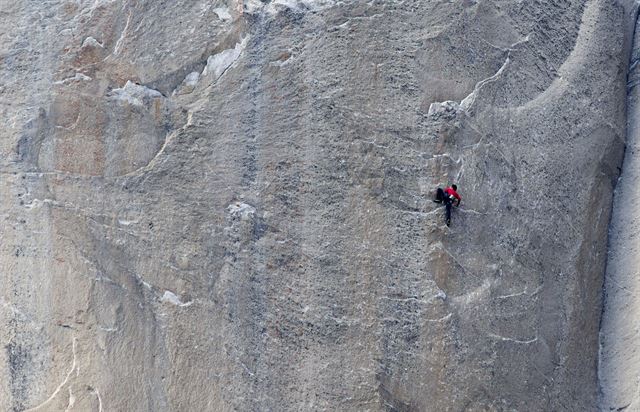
x=618 y=366
x=225 y=205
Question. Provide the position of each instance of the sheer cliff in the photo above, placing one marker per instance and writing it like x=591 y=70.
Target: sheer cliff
x=214 y=205
x=619 y=370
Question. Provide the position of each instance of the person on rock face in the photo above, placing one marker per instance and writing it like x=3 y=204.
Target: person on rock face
x=448 y=196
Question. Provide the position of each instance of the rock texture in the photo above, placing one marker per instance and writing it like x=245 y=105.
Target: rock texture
x=619 y=363
x=225 y=205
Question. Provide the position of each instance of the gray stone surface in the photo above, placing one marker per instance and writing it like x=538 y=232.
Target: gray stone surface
x=619 y=366
x=225 y=205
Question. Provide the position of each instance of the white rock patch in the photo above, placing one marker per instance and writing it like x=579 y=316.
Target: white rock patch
x=222 y=13
x=92 y=42
x=78 y=77
x=243 y=210
x=170 y=297
x=192 y=79
x=135 y=94
x=217 y=64
x=252 y=6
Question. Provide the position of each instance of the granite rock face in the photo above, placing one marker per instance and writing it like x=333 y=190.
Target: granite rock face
x=226 y=205
x=619 y=365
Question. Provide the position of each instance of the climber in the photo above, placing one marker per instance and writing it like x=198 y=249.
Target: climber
x=448 y=196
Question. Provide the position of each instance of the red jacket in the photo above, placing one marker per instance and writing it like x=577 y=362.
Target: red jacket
x=453 y=193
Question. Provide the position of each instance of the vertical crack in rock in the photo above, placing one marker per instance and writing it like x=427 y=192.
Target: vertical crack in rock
x=619 y=359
